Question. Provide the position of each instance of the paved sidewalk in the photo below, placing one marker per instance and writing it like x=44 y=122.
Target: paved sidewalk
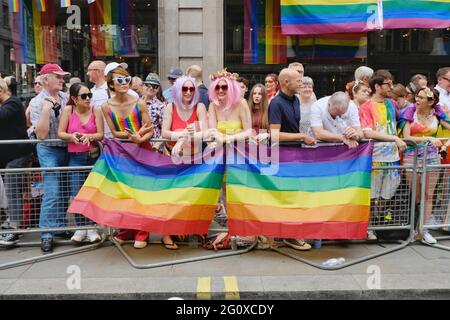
x=417 y=271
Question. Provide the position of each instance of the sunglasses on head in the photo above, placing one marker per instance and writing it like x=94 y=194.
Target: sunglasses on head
x=154 y=86
x=186 y=89
x=84 y=96
x=123 y=80
x=223 y=87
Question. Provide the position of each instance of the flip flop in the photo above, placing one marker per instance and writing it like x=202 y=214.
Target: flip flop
x=169 y=246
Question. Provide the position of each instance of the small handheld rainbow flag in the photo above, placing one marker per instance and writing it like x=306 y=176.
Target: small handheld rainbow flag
x=65 y=3
x=13 y=5
x=134 y=188
x=316 y=193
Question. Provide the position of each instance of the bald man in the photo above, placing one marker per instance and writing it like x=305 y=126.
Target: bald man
x=284 y=121
x=137 y=85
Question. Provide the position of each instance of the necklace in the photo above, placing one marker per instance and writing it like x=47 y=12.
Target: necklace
x=426 y=118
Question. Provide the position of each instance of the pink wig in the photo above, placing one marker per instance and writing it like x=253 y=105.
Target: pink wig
x=177 y=92
x=233 y=94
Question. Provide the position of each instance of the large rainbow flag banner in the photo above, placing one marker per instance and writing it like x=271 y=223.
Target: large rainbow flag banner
x=306 y=17
x=416 y=14
x=134 y=188
x=317 y=193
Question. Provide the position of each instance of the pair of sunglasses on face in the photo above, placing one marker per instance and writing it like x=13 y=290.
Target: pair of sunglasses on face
x=222 y=87
x=153 y=86
x=186 y=89
x=123 y=80
x=84 y=96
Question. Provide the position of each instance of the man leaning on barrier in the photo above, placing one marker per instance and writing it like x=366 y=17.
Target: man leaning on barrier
x=334 y=119
x=284 y=120
x=378 y=121
x=45 y=114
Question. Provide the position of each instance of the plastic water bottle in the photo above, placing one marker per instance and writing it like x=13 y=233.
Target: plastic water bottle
x=317 y=243
x=334 y=262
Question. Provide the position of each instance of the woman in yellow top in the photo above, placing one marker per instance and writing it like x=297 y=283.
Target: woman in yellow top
x=229 y=115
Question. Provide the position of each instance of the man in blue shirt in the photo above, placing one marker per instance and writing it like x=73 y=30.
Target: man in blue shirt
x=173 y=75
x=284 y=121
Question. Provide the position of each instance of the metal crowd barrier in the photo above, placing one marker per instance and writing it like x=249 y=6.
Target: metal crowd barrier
x=397 y=214
x=440 y=199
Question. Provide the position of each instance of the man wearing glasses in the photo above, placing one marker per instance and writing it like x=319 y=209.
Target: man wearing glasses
x=45 y=114
x=443 y=86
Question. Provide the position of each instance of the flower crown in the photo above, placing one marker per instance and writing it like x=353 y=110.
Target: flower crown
x=223 y=74
x=429 y=93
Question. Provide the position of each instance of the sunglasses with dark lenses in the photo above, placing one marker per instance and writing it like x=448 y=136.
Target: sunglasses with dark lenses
x=186 y=89
x=223 y=87
x=123 y=80
x=38 y=83
x=154 y=86
x=84 y=96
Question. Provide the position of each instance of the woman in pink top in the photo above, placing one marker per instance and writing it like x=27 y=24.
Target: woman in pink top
x=82 y=126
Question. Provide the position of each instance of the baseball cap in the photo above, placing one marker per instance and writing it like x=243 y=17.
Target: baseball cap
x=53 y=68
x=152 y=78
x=175 y=73
x=113 y=65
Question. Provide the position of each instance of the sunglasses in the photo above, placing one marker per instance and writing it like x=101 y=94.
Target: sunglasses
x=154 y=86
x=123 y=80
x=223 y=87
x=186 y=89
x=445 y=78
x=84 y=96
x=38 y=83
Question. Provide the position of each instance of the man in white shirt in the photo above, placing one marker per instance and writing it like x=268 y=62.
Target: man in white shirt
x=334 y=119
x=443 y=86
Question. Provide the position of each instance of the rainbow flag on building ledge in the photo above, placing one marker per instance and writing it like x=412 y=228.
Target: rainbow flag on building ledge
x=134 y=188
x=317 y=193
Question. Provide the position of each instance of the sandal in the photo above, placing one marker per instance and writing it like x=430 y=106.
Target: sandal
x=169 y=246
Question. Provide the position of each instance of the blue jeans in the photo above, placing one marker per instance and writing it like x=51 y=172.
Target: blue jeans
x=54 y=201
x=14 y=186
x=77 y=178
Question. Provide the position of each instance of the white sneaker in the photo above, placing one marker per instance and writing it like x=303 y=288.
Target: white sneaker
x=79 y=236
x=140 y=244
x=371 y=235
x=298 y=244
x=428 y=238
x=93 y=236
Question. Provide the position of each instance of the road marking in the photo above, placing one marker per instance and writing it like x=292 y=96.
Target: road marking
x=231 y=288
x=204 y=288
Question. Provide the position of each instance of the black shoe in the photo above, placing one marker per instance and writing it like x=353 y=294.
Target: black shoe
x=64 y=235
x=9 y=239
x=47 y=245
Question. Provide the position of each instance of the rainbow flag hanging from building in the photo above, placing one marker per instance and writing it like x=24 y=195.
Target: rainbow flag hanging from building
x=65 y=3
x=134 y=188
x=112 y=28
x=316 y=193
x=34 y=34
x=416 y=14
x=307 y=17
x=263 y=41
x=14 y=6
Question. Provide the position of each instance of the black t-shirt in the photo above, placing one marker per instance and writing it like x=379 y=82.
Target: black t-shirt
x=285 y=110
x=13 y=126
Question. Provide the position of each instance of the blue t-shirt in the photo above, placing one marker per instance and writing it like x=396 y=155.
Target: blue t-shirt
x=285 y=110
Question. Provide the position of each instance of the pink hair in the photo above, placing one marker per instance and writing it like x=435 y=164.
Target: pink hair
x=233 y=94
x=177 y=93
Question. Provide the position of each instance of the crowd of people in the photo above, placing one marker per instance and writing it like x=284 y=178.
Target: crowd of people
x=284 y=108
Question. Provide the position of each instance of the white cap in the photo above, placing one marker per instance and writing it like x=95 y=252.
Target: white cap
x=113 y=65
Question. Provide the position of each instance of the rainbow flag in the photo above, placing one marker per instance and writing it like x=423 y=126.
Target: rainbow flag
x=316 y=193
x=339 y=46
x=65 y=3
x=307 y=17
x=113 y=31
x=263 y=41
x=41 y=5
x=134 y=188
x=14 y=6
x=416 y=14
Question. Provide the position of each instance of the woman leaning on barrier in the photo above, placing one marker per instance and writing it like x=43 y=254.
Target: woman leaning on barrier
x=128 y=118
x=420 y=122
x=13 y=127
x=82 y=126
